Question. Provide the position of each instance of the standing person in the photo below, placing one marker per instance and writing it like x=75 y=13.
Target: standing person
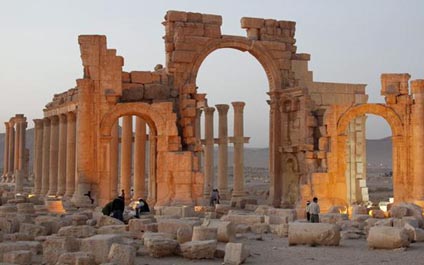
x=123 y=195
x=214 y=197
x=308 y=213
x=314 y=210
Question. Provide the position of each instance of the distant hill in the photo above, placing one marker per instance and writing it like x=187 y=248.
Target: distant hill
x=379 y=153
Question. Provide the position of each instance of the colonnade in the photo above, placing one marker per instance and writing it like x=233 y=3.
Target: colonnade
x=15 y=166
x=55 y=155
x=209 y=141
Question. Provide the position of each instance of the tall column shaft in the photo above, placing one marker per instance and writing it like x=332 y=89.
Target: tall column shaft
x=46 y=157
x=38 y=155
x=17 y=149
x=238 y=149
x=19 y=177
x=152 y=168
x=70 y=154
x=11 y=152
x=114 y=159
x=198 y=135
x=209 y=142
x=54 y=153
x=126 y=144
x=61 y=184
x=223 y=149
x=6 y=152
x=417 y=87
x=139 y=158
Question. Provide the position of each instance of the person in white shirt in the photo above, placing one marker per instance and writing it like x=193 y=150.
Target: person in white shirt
x=314 y=210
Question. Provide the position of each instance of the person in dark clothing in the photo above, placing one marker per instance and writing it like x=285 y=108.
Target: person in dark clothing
x=141 y=208
x=308 y=213
x=118 y=207
x=107 y=210
x=214 y=197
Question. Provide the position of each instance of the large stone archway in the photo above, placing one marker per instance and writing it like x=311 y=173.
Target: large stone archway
x=398 y=138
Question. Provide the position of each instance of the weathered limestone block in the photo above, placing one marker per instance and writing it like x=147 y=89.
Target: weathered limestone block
x=33 y=230
x=242 y=228
x=276 y=219
x=360 y=217
x=289 y=213
x=100 y=245
x=25 y=208
x=156 y=91
x=107 y=220
x=22 y=257
x=199 y=249
x=7 y=209
x=122 y=254
x=407 y=209
x=222 y=209
x=17 y=237
x=51 y=223
x=247 y=219
x=314 y=234
x=260 y=228
x=54 y=246
x=384 y=222
x=385 y=237
x=79 y=219
x=9 y=225
x=171 y=226
x=76 y=258
x=184 y=234
x=418 y=235
x=235 y=253
x=112 y=229
x=226 y=230
x=359 y=209
x=138 y=226
x=204 y=233
x=262 y=209
x=332 y=218
x=142 y=77
x=250 y=207
x=34 y=247
x=282 y=230
x=376 y=213
x=160 y=244
x=80 y=231
x=177 y=211
x=242 y=202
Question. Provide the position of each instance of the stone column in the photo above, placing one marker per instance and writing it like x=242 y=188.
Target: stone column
x=19 y=185
x=417 y=87
x=198 y=135
x=38 y=155
x=70 y=154
x=46 y=157
x=126 y=144
x=17 y=149
x=54 y=153
x=209 y=142
x=61 y=172
x=151 y=198
x=6 y=152
x=114 y=159
x=223 y=150
x=139 y=158
x=11 y=159
x=238 y=149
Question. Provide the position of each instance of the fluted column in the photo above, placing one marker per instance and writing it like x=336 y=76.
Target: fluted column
x=61 y=183
x=11 y=151
x=209 y=142
x=54 y=153
x=6 y=152
x=114 y=151
x=151 y=197
x=38 y=155
x=223 y=150
x=139 y=158
x=46 y=156
x=238 y=149
x=17 y=149
x=70 y=154
x=417 y=87
x=126 y=155
x=19 y=175
x=198 y=135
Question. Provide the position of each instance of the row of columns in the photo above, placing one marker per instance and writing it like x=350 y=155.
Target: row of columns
x=55 y=155
x=15 y=168
x=238 y=140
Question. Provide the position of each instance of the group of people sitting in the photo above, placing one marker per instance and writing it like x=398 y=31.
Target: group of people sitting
x=116 y=207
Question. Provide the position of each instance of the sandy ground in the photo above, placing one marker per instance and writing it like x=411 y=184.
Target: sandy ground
x=275 y=250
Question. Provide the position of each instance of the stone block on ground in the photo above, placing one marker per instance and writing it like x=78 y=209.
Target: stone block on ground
x=33 y=246
x=33 y=230
x=76 y=258
x=22 y=257
x=160 y=244
x=54 y=246
x=235 y=253
x=226 y=230
x=386 y=237
x=239 y=218
x=199 y=249
x=282 y=230
x=259 y=228
x=204 y=233
x=112 y=229
x=107 y=220
x=122 y=254
x=332 y=218
x=171 y=226
x=184 y=234
x=314 y=234
x=80 y=231
x=100 y=245
x=407 y=209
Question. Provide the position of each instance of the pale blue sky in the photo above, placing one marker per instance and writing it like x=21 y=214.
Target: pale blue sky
x=350 y=41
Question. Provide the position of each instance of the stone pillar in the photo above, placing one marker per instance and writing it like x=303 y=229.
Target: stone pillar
x=126 y=144
x=38 y=155
x=17 y=149
x=223 y=150
x=151 y=198
x=19 y=175
x=46 y=157
x=139 y=158
x=54 y=153
x=209 y=142
x=417 y=87
x=276 y=182
x=198 y=135
x=11 y=151
x=114 y=159
x=70 y=154
x=238 y=149
x=6 y=152
x=61 y=172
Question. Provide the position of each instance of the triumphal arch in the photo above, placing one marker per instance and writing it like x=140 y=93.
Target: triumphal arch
x=316 y=129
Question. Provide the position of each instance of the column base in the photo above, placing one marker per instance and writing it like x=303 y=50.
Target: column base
x=80 y=200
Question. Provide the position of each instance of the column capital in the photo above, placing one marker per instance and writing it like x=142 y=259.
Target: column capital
x=38 y=123
x=209 y=110
x=71 y=116
x=238 y=105
x=54 y=120
x=62 y=118
x=222 y=108
x=46 y=121
x=7 y=125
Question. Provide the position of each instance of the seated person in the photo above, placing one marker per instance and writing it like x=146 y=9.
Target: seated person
x=142 y=208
